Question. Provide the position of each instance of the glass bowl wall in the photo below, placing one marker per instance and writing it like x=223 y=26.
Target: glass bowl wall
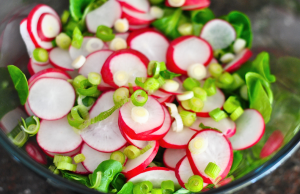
x=276 y=26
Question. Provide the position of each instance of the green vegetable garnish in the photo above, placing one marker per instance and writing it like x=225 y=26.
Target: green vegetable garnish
x=127 y=188
x=77 y=38
x=105 y=33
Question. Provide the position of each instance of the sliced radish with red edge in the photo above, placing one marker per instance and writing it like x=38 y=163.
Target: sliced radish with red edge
x=51 y=72
x=160 y=94
x=137 y=143
x=28 y=110
x=250 y=127
x=136 y=18
x=48 y=27
x=177 y=140
x=194 y=50
x=172 y=156
x=138 y=27
x=180 y=89
x=169 y=99
x=35 y=152
x=89 y=45
x=218 y=151
x=61 y=59
x=104 y=136
x=26 y=37
x=34 y=68
x=274 y=142
x=141 y=6
x=239 y=60
x=200 y=5
x=71 y=154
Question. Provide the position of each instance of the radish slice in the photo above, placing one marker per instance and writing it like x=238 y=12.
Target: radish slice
x=141 y=6
x=129 y=61
x=138 y=27
x=89 y=45
x=32 y=25
x=11 y=119
x=136 y=18
x=239 y=60
x=93 y=157
x=51 y=98
x=156 y=175
x=26 y=38
x=48 y=27
x=58 y=136
x=103 y=15
x=104 y=136
x=135 y=166
x=166 y=99
x=39 y=63
x=183 y=172
x=250 y=127
x=51 y=72
x=28 y=110
x=151 y=43
x=177 y=140
x=219 y=33
x=123 y=35
x=172 y=156
x=160 y=94
x=274 y=142
x=94 y=63
x=199 y=5
x=226 y=125
x=34 y=68
x=137 y=143
x=61 y=59
x=80 y=169
x=218 y=150
x=35 y=152
x=140 y=131
x=180 y=89
x=195 y=50
x=213 y=60
x=71 y=154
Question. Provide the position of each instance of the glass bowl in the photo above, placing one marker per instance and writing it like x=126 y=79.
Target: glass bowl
x=275 y=25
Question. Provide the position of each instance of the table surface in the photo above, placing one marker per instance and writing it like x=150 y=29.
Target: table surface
x=16 y=179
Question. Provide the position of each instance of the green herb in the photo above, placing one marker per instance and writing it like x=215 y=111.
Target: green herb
x=127 y=188
x=31 y=125
x=261 y=65
x=105 y=33
x=118 y=181
x=202 y=126
x=76 y=177
x=77 y=38
x=183 y=191
x=237 y=159
x=77 y=7
x=199 y=18
x=20 y=82
x=166 y=74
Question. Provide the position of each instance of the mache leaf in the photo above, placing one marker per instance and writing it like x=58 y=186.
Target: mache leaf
x=261 y=65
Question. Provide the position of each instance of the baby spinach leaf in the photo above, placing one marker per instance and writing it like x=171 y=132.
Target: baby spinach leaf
x=127 y=188
x=76 y=177
x=20 y=82
x=77 y=7
x=166 y=74
x=261 y=65
x=168 y=24
x=118 y=181
x=237 y=159
x=240 y=19
x=199 y=18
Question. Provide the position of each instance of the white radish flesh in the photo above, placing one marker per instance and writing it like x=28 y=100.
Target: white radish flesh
x=218 y=150
x=176 y=140
x=141 y=6
x=226 y=125
x=34 y=68
x=28 y=110
x=199 y=4
x=89 y=45
x=71 y=154
x=104 y=136
x=49 y=26
x=185 y=96
x=26 y=38
x=156 y=175
x=60 y=58
x=177 y=124
x=219 y=33
x=51 y=98
x=40 y=63
x=135 y=166
x=172 y=156
x=103 y=15
x=135 y=18
x=51 y=72
x=58 y=136
x=195 y=50
x=151 y=43
x=160 y=94
x=239 y=60
x=169 y=99
x=137 y=27
x=137 y=143
x=250 y=127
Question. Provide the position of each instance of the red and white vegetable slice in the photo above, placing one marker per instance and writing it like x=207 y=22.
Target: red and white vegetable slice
x=250 y=127
x=26 y=37
x=177 y=140
x=226 y=125
x=274 y=142
x=32 y=25
x=169 y=99
x=138 y=27
x=183 y=172
x=172 y=156
x=51 y=98
x=28 y=110
x=135 y=166
x=89 y=45
x=180 y=89
x=200 y=4
x=93 y=157
x=140 y=131
x=137 y=143
x=61 y=59
x=128 y=61
x=94 y=63
x=218 y=150
x=239 y=60
x=195 y=50
x=35 y=152
x=151 y=43
x=51 y=72
x=58 y=136
x=11 y=119
x=103 y=15
x=71 y=154
x=104 y=136
x=141 y=6
x=156 y=175
x=48 y=27
x=160 y=94
x=39 y=63
x=34 y=68
x=219 y=33
x=80 y=169
x=136 y=18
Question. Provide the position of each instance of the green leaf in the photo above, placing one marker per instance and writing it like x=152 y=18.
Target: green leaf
x=237 y=159
x=202 y=16
x=202 y=126
x=183 y=191
x=166 y=74
x=20 y=82
x=109 y=169
x=238 y=18
x=77 y=7
x=127 y=188
x=168 y=24
x=118 y=181
x=261 y=65
x=76 y=177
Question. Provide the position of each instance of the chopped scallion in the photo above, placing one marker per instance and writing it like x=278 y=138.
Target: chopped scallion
x=168 y=185
x=186 y=104
x=210 y=87
x=151 y=84
x=215 y=70
x=200 y=93
x=66 y=166
x=231 y=104
x=120 y=94
x=143 y=187
x=146 y=148
x=79 y=158
x=212 y=170
x=188 y=118
x=139 y=81
x=40 y=55
x=77 y=38
x=94 y=78
x=196 y=104
x=226 y=79
x=105 y=33
x=118 y=156
x=65 y=17
x=59 y=158
x=132 y=152
x=194 y=184
x=139 y=98
x=218 y=114
x=237 y=113
x=190 y=83
x=63 y=41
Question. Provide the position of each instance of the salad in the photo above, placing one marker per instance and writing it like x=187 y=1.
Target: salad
x=138 y=96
